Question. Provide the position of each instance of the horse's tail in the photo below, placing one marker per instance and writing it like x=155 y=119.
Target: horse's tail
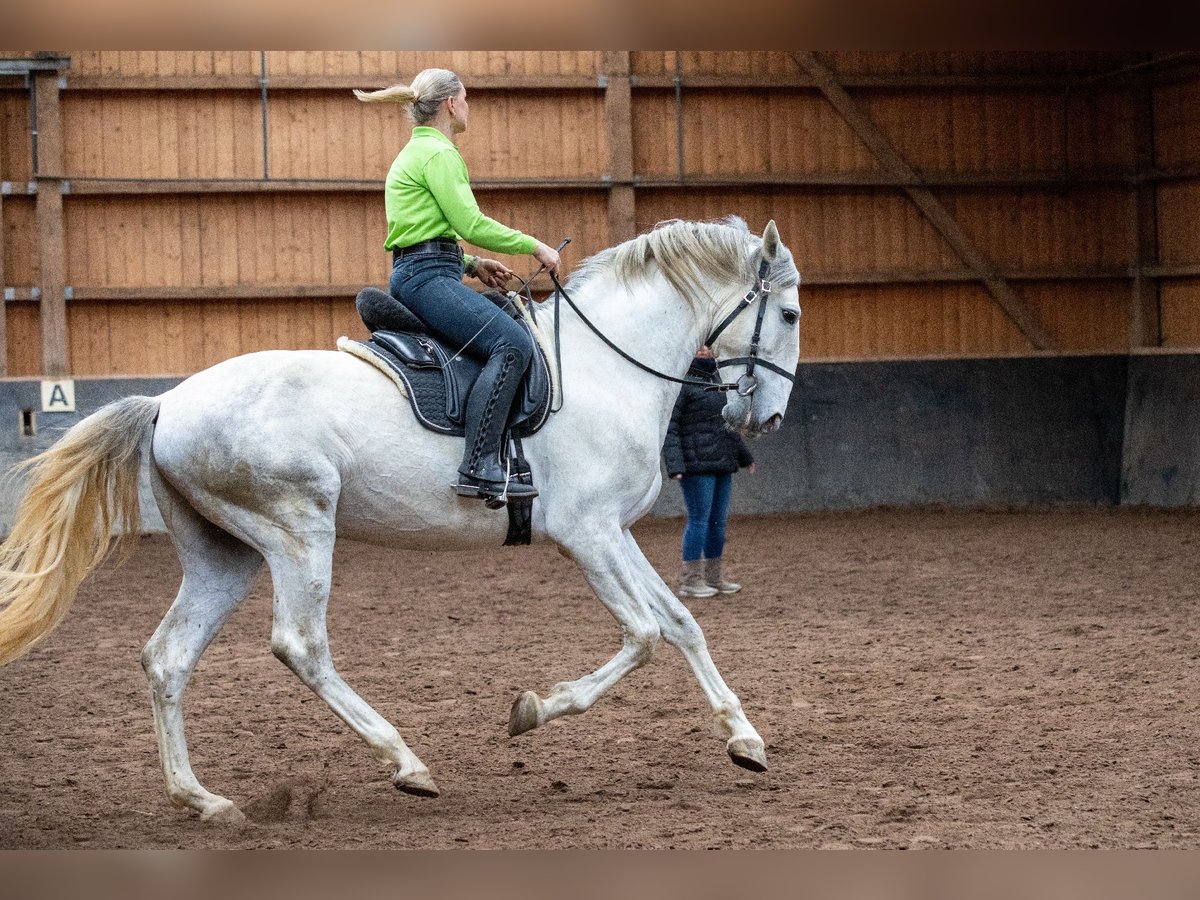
x=78 y=490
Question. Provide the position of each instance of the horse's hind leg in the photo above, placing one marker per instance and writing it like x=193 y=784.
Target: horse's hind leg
x=218 y=571
x=301 y=561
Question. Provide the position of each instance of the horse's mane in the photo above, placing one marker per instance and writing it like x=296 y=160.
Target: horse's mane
x=691 y=256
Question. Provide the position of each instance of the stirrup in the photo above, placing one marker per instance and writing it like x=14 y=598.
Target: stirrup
x=495 y=494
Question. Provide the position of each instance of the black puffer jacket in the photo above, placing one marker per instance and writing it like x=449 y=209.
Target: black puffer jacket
x=698 y=441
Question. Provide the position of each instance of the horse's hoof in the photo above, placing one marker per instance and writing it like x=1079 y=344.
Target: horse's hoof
x=524 y=715
x=223 y=813
x=419 y=784
x=748 y=753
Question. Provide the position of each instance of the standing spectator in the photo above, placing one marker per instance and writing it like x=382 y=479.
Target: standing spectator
x=702 y=453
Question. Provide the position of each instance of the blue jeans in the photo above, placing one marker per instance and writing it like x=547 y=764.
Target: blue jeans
x=707 y=501
x=430 y=285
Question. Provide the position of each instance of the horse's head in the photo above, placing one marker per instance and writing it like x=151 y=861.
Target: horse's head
x=757 y=342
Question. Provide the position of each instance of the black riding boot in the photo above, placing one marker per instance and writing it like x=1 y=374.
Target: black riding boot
x=482 y=473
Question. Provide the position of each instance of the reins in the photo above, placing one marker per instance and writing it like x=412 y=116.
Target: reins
x=745 y=384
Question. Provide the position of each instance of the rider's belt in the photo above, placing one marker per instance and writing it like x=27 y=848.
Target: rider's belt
x=442 y=245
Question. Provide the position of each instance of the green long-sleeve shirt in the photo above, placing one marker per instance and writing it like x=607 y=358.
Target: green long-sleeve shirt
x=428 y=195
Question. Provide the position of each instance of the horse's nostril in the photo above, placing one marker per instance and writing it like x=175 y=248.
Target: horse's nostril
x=774 y=422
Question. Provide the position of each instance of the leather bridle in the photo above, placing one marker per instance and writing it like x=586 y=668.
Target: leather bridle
x=761 y=289
x=746 y=383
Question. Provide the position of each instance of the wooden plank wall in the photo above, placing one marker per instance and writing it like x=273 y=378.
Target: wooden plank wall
x=180 y=253
x=1177 y=134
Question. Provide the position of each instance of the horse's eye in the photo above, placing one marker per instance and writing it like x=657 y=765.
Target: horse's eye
x=791 y=316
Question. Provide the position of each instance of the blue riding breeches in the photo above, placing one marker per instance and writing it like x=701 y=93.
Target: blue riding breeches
x=430 y=286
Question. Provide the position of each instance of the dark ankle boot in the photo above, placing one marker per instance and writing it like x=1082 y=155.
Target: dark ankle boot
x=482 y=473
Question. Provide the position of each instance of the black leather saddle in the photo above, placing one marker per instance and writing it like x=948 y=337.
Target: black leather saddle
x=437 y=376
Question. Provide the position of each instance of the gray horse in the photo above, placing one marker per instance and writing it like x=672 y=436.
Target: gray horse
x=266 y=457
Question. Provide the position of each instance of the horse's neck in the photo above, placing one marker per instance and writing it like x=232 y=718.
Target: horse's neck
x=650 y=322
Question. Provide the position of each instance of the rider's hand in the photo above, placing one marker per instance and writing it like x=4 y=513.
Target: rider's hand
x=751 y=469
x=677 y=477
x=493 y=273
x=547 y=256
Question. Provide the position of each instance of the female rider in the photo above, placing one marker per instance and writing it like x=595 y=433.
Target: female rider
x=430 y=206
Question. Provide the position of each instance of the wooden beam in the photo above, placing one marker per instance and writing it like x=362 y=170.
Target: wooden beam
x=618 y=109
x=947 y=180
x=897 y=81
x=51 y=241
x=317 y=82
x=218 y=292
x=908 y=276
x=883 y=150
x=1192 y=271
x=1145 y=315
x=221 y=292
x=79 y=186
x=517 y=82
x=967 y=180
x=26 y=294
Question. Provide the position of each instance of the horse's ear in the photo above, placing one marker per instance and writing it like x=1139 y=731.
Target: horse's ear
x=770 y=244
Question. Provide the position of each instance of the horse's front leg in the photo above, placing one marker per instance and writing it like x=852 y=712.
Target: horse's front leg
x=613 y=576
x=680 y=629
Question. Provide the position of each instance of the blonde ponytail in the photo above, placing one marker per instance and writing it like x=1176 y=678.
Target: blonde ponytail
x=397 y=93
x=423 y=97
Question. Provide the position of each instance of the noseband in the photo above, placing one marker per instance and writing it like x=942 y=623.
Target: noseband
x=745 y=385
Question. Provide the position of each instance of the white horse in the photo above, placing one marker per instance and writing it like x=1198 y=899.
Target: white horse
x=267 y=456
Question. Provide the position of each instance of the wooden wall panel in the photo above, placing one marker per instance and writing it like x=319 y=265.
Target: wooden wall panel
x=24 y=338
x=831 y=233
x=225 y=240
x=827 y=231
x=744 y=132
x=21 y=257
x=164 y=63
x=1082 y=228
x=873 y=321
x=148 y=134
x=236 y=239
x=1176 y=125
x=1179 y=223
x=15 y=142
x=579 y=215
x=150 y=338
x=1081 y=315
x=777 y=132
x=526 y=135
x=1180 y=300
x=955 y=319
x=1004 y=131
x=655 y=134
